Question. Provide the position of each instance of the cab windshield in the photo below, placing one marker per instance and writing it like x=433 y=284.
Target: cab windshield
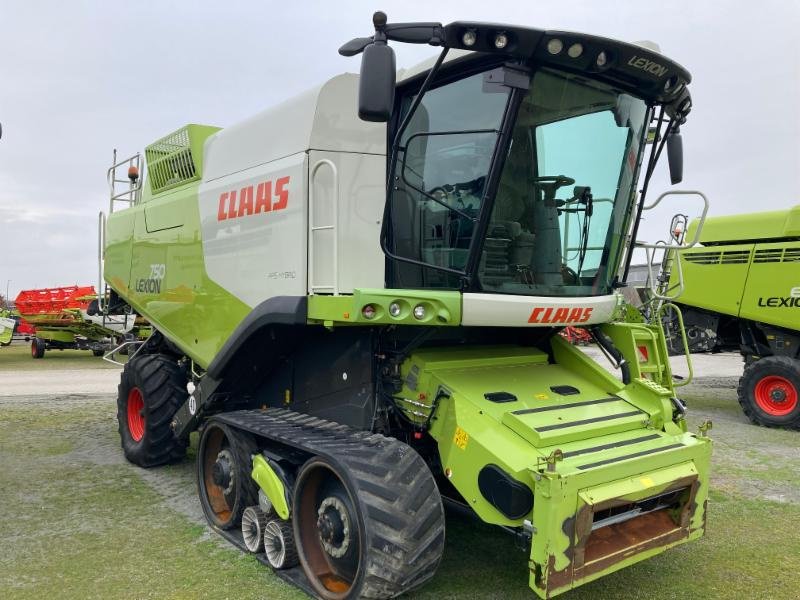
x=564 y=194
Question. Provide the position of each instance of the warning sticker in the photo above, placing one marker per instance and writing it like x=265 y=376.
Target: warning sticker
x=461 y=438
x=541 y=396
x=644 y=354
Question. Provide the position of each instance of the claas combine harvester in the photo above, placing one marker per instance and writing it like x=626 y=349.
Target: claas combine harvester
x=8 y=325
x=741 y=292
x=357 y=297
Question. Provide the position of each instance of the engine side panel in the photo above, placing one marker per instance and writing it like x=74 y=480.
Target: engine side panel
x=772 y=293
x=714 y=277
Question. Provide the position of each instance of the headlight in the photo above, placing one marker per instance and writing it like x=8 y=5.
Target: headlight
x=469 y=37
x=575 y=50
x=555 y=46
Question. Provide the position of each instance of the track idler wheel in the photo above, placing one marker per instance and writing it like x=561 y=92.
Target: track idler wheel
x=223 y=474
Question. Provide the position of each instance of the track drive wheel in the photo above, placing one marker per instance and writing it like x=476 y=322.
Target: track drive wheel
x=151 y=390
x=769 y=392
x=374 y=529
x=224 y=483
x=38 y=346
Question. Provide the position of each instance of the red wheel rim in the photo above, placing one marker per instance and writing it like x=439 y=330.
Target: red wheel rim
x=33 y=348
x=136 y=414
x=776 y=395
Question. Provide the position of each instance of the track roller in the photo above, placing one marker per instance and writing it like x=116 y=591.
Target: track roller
x=279 y=544
x=253 y=522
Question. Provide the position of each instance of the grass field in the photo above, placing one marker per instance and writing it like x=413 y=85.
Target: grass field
x=83 y=523
x=17 y=356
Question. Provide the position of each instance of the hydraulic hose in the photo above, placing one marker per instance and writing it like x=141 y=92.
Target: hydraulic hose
x=606 y=344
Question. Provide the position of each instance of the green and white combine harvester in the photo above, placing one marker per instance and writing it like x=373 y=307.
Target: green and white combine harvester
x=357 y=296
x=7 y=326
x=740 y=291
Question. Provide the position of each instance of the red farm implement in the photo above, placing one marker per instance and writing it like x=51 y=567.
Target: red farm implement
x=64 y=319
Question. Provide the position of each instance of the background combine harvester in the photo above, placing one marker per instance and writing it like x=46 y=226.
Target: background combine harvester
x=8 y=325
x=13 y=327
x=362 y=315
x=64 y=319
x=741 y=291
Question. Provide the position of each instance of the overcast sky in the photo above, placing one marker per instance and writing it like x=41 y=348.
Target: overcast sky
x=78 y=79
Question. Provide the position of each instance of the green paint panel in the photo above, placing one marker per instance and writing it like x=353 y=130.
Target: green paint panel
x=714 y=277
x=772 y=291
x=753 y=226
x=617 y=443
x=181 y=302
x=56 y=335
x=441 y=307
x=272 y=485
x=577 y=420
x=7 y=326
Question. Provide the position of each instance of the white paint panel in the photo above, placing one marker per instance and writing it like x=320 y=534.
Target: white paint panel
x=257 y=255
x=323 y=118
x=6 y=324
x=517 y=311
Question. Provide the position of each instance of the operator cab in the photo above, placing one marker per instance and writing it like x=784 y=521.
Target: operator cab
x=513 y=168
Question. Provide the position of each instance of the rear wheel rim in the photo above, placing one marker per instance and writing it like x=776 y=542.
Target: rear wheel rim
x=136 y=419
x=219 y=472
x=776 y=395
x=327 y=532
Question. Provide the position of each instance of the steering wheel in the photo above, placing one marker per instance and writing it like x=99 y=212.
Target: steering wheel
x=570 y=272
x=557 y=180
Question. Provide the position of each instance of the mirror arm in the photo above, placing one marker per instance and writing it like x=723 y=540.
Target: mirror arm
x=416 y=33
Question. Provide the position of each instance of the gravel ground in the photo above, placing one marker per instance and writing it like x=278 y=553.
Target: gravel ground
x=78 y=403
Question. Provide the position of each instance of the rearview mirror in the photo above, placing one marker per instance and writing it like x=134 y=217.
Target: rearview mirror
x=377 y=82
x=675 y=156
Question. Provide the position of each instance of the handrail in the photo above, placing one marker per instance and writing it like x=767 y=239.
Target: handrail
x=133 y=193
x=650 y=249
x=334 y=227
x=659 y=317
x=101 y=243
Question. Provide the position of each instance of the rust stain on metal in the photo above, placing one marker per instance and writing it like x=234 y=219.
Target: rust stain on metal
x=594 y=551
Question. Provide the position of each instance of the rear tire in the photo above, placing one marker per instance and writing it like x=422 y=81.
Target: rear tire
x=151 y=390
x=38 y=346
x=98 y=352
x=769 y=392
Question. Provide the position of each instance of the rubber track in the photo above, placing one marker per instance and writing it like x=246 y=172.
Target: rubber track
x=402 y=508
